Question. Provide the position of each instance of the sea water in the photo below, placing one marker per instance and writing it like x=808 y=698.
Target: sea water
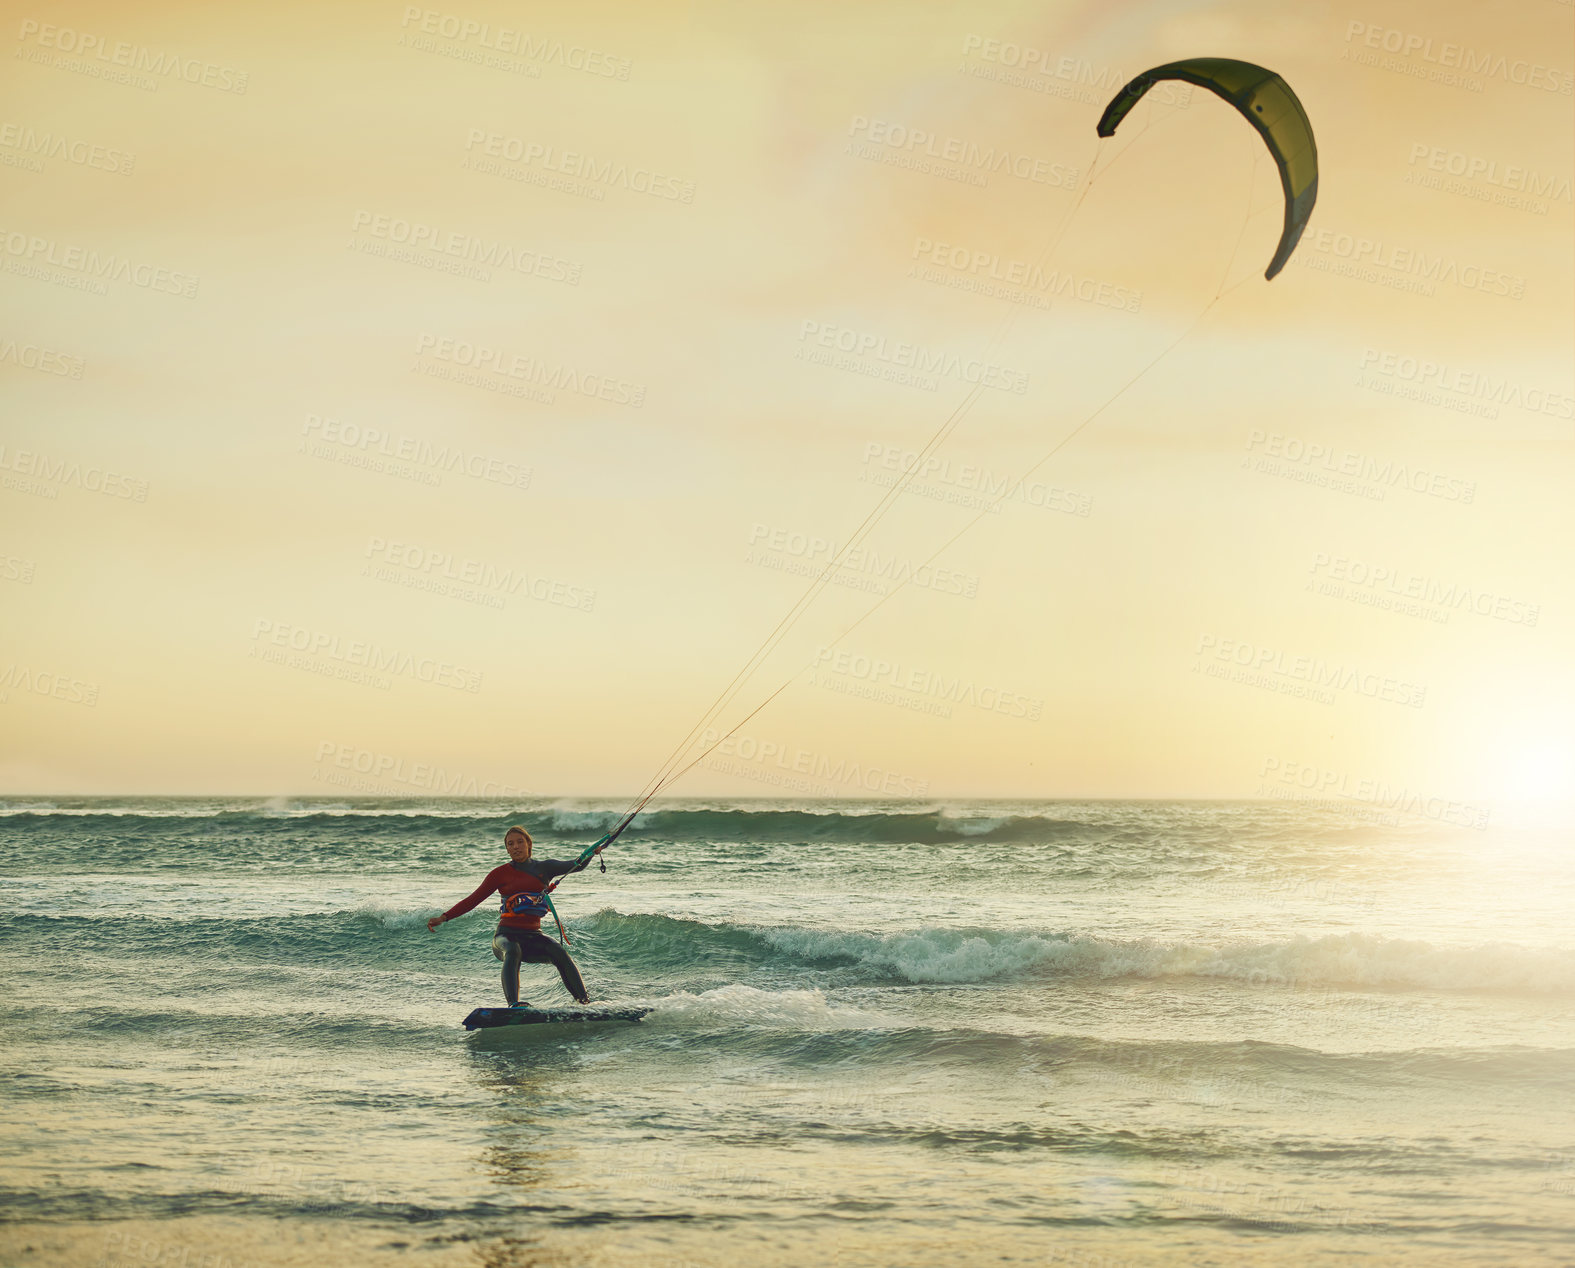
x=1070 y=1033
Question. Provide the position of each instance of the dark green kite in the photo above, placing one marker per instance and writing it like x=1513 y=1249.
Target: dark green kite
x=1269 y=105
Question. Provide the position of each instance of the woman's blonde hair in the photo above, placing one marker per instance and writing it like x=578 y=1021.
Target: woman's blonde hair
x=529 y=840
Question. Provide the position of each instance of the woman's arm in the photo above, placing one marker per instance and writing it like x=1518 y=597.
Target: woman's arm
x=488 y=885
x=558 y=867
x=551 y=869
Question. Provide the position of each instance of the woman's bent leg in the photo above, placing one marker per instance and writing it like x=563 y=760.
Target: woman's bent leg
x=569 y=971
x=509 y=951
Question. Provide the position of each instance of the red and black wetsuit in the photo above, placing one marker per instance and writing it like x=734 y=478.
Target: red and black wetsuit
x=522 y=887
x=512 y=881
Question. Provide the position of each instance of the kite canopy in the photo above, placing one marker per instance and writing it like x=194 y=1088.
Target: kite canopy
x=1269 y=105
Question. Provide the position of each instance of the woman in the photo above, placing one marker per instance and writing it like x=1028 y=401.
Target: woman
x=523 y=887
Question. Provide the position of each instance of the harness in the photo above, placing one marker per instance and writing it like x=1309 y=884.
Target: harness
x=539 y=904
x=527 y=904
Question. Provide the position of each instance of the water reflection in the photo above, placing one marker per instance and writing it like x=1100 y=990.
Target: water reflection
x=534 y=1079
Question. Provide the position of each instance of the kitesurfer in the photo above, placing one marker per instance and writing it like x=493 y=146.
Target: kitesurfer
x=522 y=883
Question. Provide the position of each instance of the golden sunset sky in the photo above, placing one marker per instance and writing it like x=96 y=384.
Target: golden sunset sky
x=410 y=399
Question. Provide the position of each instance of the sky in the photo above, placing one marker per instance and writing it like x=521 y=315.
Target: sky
x=404 y=400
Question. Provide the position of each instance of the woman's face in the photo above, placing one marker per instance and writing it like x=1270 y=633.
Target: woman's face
x=518 y=847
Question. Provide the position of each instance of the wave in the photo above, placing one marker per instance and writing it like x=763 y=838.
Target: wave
x=731 y=825
x=962 y=956
x=882 y=827
x=644 y=945
x=1336 y=960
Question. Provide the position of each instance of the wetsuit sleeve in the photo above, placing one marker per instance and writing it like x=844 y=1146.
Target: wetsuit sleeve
x=487 y=886
x=551 y=869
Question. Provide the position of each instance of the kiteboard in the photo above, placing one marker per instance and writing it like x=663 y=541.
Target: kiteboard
x=527 y=1016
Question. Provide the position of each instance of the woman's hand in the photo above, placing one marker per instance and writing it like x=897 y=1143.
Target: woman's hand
x=434 y=923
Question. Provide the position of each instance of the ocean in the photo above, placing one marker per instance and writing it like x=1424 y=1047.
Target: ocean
x=1079 y=1033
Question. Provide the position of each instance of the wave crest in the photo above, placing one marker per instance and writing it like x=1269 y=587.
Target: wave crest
x=956 y=956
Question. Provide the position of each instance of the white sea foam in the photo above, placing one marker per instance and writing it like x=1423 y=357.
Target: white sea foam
x=1345 y=960
x=391 y=917
x=972 y=826
x=747 y=1005
x=291 y=808
x=584 y=820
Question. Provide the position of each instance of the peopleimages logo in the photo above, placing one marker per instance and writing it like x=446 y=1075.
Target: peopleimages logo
x=35 y=252
x=1380 y=583
x=993 y=160
x=367 y=770
x=893 y=677
x=360 y=654
x=860 y=568
x=488 y=253
x=912 y=356
x=45 y=360
x=528 y=372
x=1315 y=781
x=439 y=571
x=1440 y=60
x=398 y=454
x=511 y=42
x=1379 y=473
x=1373 y=259
x=48 y=684
x=1425 y=374
x=45 y=476
x=1255 y=665
x=482 y=145
x=94 y=53
x=40 y=145
x=963 y=483
x=1006 y=277
x=1510 y=177
x=790 y=766
x=1042 y=71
